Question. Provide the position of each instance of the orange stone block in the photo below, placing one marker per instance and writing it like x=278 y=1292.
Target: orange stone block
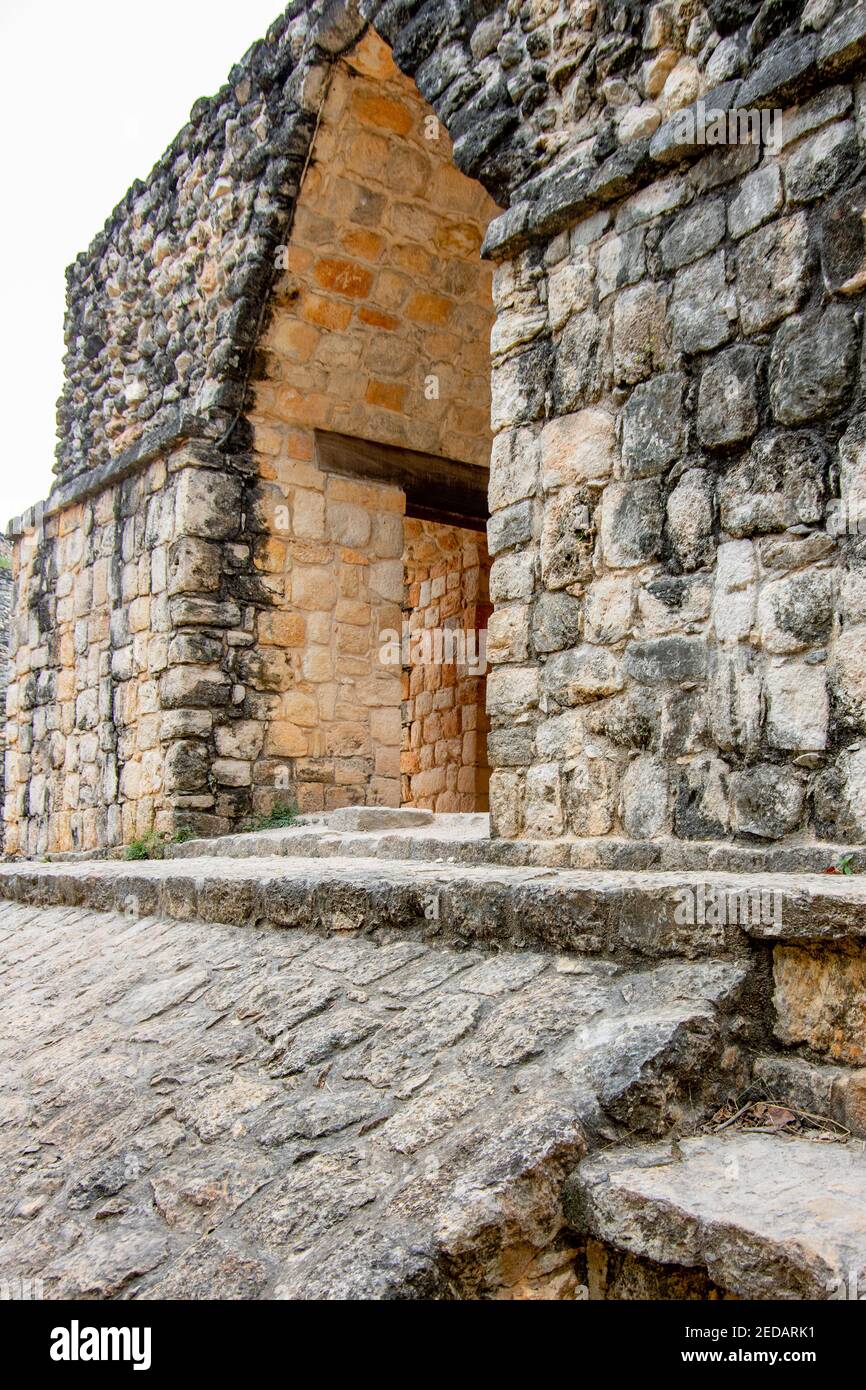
x=429 y=308
x=382 y=112
x=388 y=394
x=343 y=277
x=365 y=245
x=325 y=313
x=376 y=319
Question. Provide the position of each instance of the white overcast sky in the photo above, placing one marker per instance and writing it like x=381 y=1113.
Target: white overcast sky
x=94 y=91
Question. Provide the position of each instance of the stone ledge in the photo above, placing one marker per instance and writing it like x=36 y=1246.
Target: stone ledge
x=177 y=427
x=628 y=916
x=766 y=1217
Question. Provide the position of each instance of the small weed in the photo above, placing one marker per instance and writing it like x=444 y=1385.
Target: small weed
x=152 y=846
x=282 y=817
x=844 y=865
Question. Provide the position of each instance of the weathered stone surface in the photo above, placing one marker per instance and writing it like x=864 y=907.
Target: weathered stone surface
x=584 y=674
x=378 y=818
x=641 y=340
x=631 y=523
x=797 y=706
x=767 y=801
x=780 y=483
x=724 y=1204
x=812 y=365
x=771 y=273
x=819 y=1000
x=703 y=308
x=690 y=514
x=653 y=432
x=185 y=1146
x=728 y=398
x=577 y=448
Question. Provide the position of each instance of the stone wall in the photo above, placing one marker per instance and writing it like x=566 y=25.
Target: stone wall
x=5 y=619
x=677 y=408
x=444 y=759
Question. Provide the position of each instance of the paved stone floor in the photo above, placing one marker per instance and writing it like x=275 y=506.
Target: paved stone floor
x=195 y=1111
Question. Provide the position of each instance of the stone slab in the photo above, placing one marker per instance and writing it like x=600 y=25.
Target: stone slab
x=765 y=1217
x=210 y=1112
x=629 y=915
x=377 y=818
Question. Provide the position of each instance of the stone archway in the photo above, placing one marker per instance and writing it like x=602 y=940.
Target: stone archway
x=378 y=330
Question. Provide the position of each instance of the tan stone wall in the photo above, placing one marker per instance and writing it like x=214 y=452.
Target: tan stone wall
x=444 y=760
x=380 y=330
x=89 y=639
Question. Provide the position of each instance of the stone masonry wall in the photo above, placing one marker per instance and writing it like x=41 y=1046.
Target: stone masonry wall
x=679 y=573
x=678 y=464
x=5 y=619
x=444 y=758
x=380 y=321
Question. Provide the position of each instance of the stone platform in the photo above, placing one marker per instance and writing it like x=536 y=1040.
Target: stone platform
x=196 y=1111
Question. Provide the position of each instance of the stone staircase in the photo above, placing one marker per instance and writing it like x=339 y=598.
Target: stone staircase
x=442 y=1078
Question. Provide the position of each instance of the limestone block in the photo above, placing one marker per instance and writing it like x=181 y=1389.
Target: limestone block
x=767 y=801
x=242 y=739
x=820 y=1000
x=556 y=622
x=584 y=674
x=818 y=164
x=577 y=364
x=780 y=483
x=689 y=518
x=621 y=261
x=513 y=467
x=208 y=504
x=232 y=772
x=566 y=539
x=735 y=591
x=510 y=527
x=653 y=426
x=666 y=660
x=186 y=766
x=641 y=340
x=813 y=364
x=797 y=706
x=645 y=798
x=609 y=609
x=771 y=273
x=758 y=199
x=512 y=692
x=702 y=809
x=693 y=234
x=631 y=523
x=577 y=448
x=195 y=687
x=703 y=309
x=508 y=634
x=796 y=612
x=728 y=398
x=591 y=795
x=848 y=676
x=542 y=807
x=512 y=577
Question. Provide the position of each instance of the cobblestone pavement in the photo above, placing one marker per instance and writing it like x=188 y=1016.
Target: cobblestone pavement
x=201 y=1111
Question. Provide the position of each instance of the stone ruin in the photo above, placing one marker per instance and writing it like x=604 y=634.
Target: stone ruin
x=539 y=321
x=670 y=407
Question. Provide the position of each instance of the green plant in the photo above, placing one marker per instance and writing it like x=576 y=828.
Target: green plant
x=282 y=817
x=150 y=846
x=844 y=865
x=5 y=563
x=183 y=836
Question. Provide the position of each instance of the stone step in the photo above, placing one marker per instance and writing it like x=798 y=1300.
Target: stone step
x=465 y=839
x=764 y=1217
x=196 y=1110
x=621 y=914
x=839 y=1093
